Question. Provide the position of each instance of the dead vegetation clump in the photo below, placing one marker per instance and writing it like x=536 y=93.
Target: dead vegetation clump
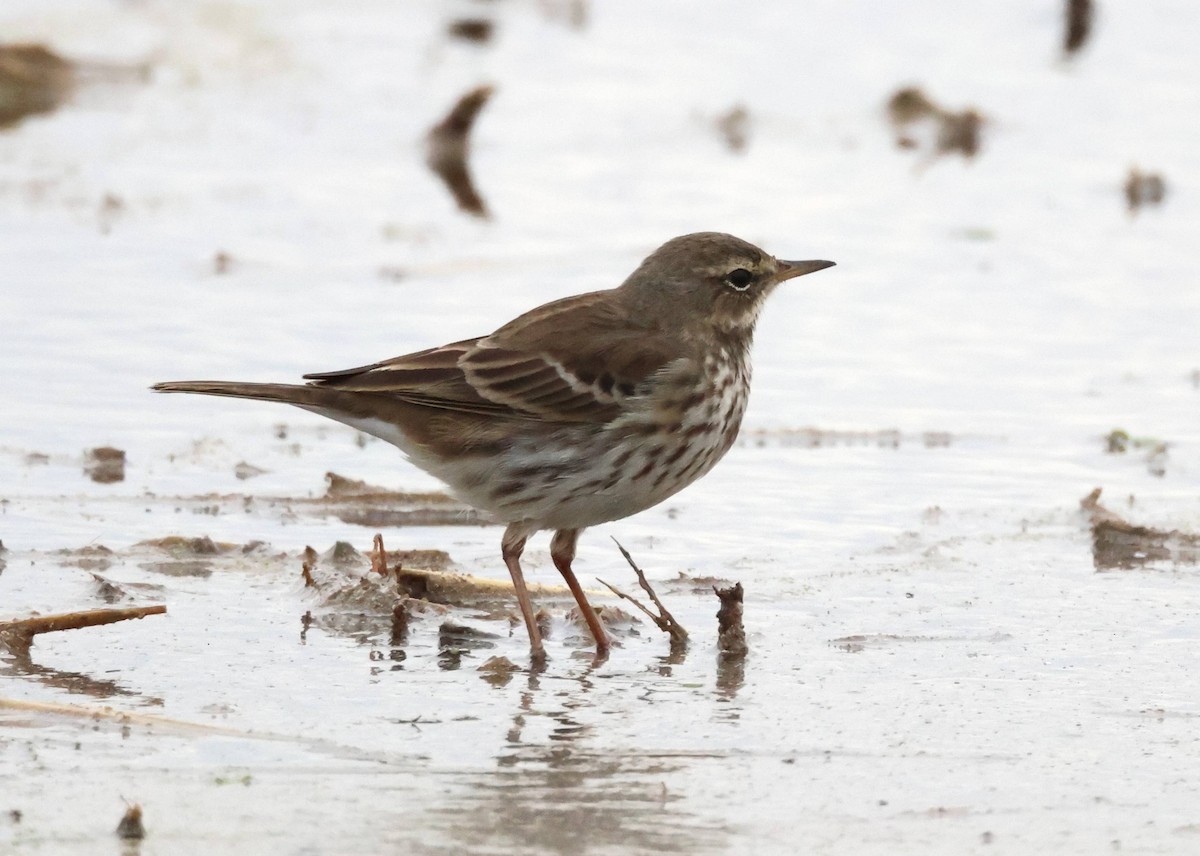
x=1143 y=189
x=33 y=80
x=104 y=464
x=1118 y=544
x=731 y=633
x=954 y=131
x=1154 y=451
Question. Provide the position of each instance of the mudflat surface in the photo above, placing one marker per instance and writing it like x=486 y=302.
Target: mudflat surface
x=948 y=654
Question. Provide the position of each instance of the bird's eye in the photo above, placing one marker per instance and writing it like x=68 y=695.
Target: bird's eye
x=739 y=279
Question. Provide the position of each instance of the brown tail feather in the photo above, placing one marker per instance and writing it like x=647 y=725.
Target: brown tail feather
x=302 y=396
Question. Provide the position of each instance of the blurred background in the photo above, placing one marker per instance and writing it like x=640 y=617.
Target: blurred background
x=242 y=190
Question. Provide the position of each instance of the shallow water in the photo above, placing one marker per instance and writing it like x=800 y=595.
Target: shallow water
x=936 y=665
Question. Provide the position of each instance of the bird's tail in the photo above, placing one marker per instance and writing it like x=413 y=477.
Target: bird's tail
x=287 y=393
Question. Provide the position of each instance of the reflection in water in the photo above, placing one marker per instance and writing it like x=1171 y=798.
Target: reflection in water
x=448 y=148
x=731 y=675
x=565 y=794
x=20 y=664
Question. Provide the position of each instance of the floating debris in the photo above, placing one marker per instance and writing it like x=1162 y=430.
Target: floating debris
x=1079 y=17
x=33 y=80
x=108 y=591
x=1118 y=544
x=222 y=263
x=959 y=132
x=1118 y=442
x=734 y=127
x=477 y=30
x=131 y=827
x=243 y=471
x=908 y=105
x=448 y=146
x=1143 y=188
x=954 y=130
x=104 y=464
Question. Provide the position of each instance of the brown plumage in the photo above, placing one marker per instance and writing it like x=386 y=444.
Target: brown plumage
x=584 y=410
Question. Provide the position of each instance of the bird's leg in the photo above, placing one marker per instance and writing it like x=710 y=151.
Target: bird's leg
x=511 y=547
x=562 y=551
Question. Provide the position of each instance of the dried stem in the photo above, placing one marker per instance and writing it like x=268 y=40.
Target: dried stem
x=18 y=635
x=663 y=618
x=379 y=556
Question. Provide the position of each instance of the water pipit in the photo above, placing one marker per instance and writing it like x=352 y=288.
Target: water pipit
x=585 y=410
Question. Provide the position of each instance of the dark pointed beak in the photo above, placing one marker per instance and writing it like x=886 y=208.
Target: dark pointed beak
x=787 y=270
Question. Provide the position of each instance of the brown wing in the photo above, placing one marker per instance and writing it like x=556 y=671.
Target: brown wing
x=581 y=359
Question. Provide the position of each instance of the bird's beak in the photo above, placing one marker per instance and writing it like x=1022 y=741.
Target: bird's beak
x=787 y=270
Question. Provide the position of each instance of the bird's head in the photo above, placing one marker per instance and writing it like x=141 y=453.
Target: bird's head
x=709 y=280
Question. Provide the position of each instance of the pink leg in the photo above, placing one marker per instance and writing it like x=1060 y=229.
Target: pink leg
x=511 y=547
x=562 y=551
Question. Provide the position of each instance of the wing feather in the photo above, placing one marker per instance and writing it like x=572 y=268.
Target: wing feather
x=581 y=359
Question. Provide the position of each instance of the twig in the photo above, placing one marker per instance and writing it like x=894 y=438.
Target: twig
x=663 y=619
x=17 y=635
x=379 y=556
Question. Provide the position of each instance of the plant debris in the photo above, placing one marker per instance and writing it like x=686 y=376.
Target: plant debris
x=243 y=471
x=1080 y=15
x=731 y=634
x=131 y=827
x=477 y=30
x=33 y=79
x=448 y=147
x=1143 y=188
x=1118 y=442
x=1118 y=544
x=959 y=131
x=104 y=464
x=734 y=127
x=663 y=618
x=17 y=636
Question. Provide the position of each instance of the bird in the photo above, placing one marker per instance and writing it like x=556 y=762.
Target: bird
x=582 y=411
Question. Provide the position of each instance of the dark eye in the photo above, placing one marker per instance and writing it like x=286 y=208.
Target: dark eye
x=739 y=279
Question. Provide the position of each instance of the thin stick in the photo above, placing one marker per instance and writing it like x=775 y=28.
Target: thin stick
x=20 y=633
x=379 y=556
x=664 y=619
